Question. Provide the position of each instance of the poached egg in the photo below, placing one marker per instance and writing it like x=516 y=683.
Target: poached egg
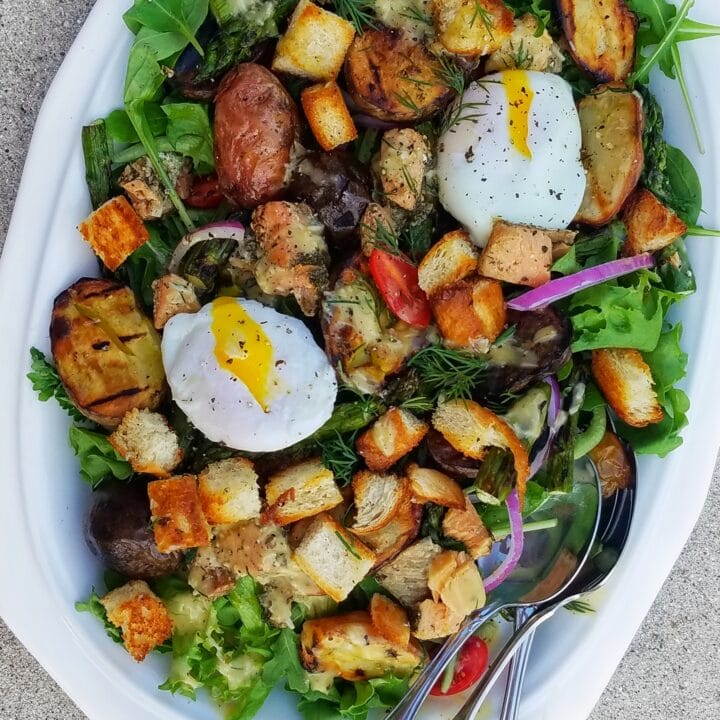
x=512 y=153
x=248 y=376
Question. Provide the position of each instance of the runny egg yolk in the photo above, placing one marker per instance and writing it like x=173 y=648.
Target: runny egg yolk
x=519 y=96
x=242 y=348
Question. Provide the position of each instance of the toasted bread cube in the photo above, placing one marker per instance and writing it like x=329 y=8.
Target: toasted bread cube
x=472 y=27
x=229 y=492
x=328 y=115
x=467 y=527
x=392 y=436
x=172 y=295
x=428 y=485
x=650 y=225
x=518 y=254
x=403 y=161
x=140 y=615
x=351 y=647
x=390 y=620
x=334 y=559
x=387 y=542
x=526 y=49
x=114 y=231
x=177 y=517
x=377 y=500
x=376 y=223
x=406 y=576
x=455 y=580
x=627 y=383
x=435 y=620
x=470 y=314
x=451 y=259
x=314 y=45
x=301 y=491
x=562 y=241
x=147 y=442
x=208 y=575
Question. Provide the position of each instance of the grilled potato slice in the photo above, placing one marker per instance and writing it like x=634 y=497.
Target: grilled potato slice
x=106 y=351
x=601 y=35
x=393 y=76
x=612 y=123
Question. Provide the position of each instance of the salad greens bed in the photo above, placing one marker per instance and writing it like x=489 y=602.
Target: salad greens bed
x=181 y=47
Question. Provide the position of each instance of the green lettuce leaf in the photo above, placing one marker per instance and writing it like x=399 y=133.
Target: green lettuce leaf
x=98 y=458
x=47 y=384
x=93 y=606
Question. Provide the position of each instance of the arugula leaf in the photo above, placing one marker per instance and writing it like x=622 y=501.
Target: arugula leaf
x=98 y=458
x=47 y=384
x=93 y=606
x=180 y=19
x=668 y=364
x=189 y=132
x=614 y=315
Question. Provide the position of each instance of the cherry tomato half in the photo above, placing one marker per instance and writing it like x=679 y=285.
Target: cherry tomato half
x=397 y=280
x=204 y=192
x=471 y=664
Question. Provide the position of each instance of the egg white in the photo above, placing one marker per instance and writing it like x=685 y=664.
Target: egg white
x=302 y=384
x=483 y=177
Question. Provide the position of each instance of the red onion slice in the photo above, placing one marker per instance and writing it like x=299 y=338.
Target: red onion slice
x=223 y=230
x=500 y=574
x=569 y=285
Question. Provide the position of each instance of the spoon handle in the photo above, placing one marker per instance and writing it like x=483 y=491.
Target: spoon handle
x=515 y=680
x=409 y=706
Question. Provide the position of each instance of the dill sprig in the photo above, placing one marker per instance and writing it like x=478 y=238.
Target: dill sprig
x=580 y=606
x=522 y=58
x=406 y=101
x=450 y=74
x=413 y=12
x=356 y=11
x=485 y=17
x=339 y=456
x=448 y=374
x=382 y=237
x=350 y=548
x=418 y=404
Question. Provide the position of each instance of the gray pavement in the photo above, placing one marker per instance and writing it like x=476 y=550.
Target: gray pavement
x=672 y=669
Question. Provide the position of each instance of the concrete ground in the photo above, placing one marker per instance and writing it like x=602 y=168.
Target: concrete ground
x=672 y=669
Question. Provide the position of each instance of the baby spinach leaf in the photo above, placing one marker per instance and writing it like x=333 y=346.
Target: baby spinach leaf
x=121 y=130
x=189 y=132
x=181 y=18
x=98 y=458
x=144 y=76
x=592 y=249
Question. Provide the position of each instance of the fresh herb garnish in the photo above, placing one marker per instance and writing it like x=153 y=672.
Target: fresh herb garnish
x=347 y=545
x=358 y=12
x=448 y=374
x=339 y=456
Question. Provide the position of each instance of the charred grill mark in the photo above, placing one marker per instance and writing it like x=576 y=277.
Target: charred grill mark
x=101 y=345
x=59 y=329
x=128 y=392
x=128 y=338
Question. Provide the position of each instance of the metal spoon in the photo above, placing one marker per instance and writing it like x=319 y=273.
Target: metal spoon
x=615 y=520
x=550 y=561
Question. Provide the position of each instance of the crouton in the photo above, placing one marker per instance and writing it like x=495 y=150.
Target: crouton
x=140 y=615
x=627 y=383
x=411 y=16
x=471 y=428
x=177 y=517
x=450 y=259
x=406 y=576
x=470 y=314
x=601 y=36
x=377 y=500
x=387 y=542
x=315 y=43
x=376 y=222
x=472 y=27
x=172 y=295
x=562 y=241
x=351 y=647
x=650 y=225
x=313 y=490
x=467 y=527
x=328 y=115
x=114 y=231
x=401 y=166
x=612 y=122
x=428 y=485
x=455 y=581
x=293 y=254
x=526 y=49
x=334 y=559
x=392 y=436
x=613 y=464
x=518 y=254
x=229 y=492
x=390 y=620
x=208 y=575
x=146 y=441
x=435 y=620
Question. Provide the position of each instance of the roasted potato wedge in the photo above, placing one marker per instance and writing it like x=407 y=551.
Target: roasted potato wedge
x=106 y=351
x=601 y=36
x=392 y=76
x=612 y=122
